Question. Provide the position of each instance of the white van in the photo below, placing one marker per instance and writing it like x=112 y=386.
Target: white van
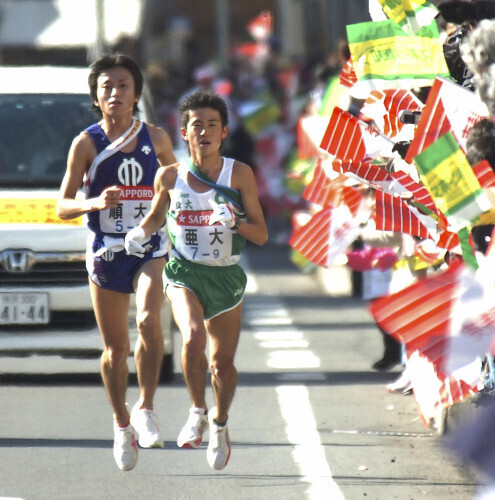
x=45 y=307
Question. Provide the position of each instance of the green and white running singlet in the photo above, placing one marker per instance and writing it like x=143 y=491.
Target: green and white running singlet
x=204 y=257
x=188 y=219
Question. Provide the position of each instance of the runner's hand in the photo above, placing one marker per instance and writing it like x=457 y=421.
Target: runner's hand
x=222 y=213
x=134 y=240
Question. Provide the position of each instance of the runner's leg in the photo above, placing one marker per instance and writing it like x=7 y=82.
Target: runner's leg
x=188 y=314
x=148 y=353
x=224 y=331
x=111 y=310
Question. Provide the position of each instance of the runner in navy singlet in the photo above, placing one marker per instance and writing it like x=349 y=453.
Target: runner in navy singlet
x=117 y=159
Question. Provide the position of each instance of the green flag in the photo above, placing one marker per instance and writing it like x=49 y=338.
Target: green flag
x=410 y=15
x=449 y=178
x=385 y=56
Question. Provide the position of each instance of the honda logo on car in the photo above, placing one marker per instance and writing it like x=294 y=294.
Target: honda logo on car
x=17 y=261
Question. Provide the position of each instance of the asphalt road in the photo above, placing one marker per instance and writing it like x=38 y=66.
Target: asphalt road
x=310 y=419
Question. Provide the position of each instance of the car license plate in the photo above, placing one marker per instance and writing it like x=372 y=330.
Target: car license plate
x=24 y=308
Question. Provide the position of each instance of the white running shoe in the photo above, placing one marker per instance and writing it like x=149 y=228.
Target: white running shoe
x=218 y=452
x=191 y=435
x=146 y=425
x=125 y=450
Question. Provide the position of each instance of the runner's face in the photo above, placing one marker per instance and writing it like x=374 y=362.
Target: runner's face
x=204 y=131
x=116 y=93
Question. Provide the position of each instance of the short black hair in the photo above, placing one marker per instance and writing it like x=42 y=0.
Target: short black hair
x=480 y=144
x=109 y=61
x=202 y=99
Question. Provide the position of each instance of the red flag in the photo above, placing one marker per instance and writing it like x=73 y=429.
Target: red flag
x=320 y=188
x=446 y=321
x=261 y=27
x=484 y=173
x=311 y=240
x=368 y=173
x=419 y=315
x=419 y=192
x=348 y=76
x=326 y=236
x=428 y=251
x=444 y=316
x=385 y=106
x=343 y=137
x=252 y=50
x=349 y=138
x=457 y=358
x=331 y=193
x=352 y=199
x=449 y=107
x=473 y=317
x=448 y=240
x=310 y=130
x=434 y=391
x=392 y=214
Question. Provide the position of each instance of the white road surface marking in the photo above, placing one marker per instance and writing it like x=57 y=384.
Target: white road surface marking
x=278 y=335
x=291 y=359
x=309 y=454
x=287 y=349
x=284 y=344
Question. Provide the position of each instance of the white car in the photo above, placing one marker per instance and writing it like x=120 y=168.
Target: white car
x=45 y=307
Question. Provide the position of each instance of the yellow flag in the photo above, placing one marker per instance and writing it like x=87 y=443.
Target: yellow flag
x=448 y=176
x=385 y=56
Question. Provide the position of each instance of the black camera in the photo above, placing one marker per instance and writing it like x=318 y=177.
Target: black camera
x=410 y=117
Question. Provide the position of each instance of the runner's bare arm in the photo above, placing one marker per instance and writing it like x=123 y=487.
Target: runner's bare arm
x=164 y=181
x=81 y=155
x=254 y=227
x=162 y=145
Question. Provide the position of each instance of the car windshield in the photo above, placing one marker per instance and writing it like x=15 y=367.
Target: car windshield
x=36 y=131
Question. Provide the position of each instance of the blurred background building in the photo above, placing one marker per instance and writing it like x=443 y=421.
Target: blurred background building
x=67 y=31
x=262 y=56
